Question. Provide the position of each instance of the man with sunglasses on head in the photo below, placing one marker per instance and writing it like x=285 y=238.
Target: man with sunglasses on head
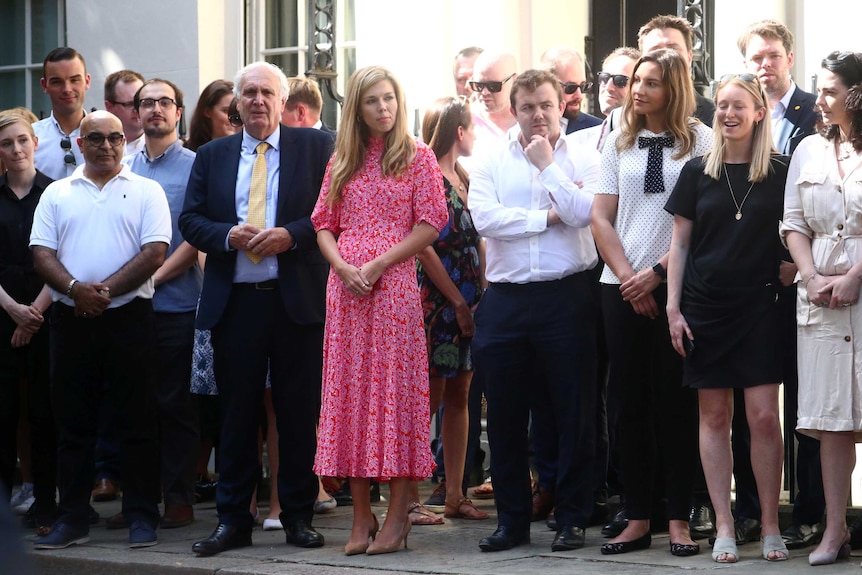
x=98 y=237
x=65 y=80
x=120 y=90
x=568 y=66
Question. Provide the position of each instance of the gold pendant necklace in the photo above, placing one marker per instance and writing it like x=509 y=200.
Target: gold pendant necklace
x=733 y=196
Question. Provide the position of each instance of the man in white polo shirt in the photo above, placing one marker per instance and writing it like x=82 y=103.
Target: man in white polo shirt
x=97 y=238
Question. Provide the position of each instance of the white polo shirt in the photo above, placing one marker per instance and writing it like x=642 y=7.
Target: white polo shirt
x=95 y=232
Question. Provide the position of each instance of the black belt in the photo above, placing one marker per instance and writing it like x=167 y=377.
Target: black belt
x=260 y=286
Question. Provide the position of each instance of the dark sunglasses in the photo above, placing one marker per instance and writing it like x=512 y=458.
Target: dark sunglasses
x=96 y=139
x=620 y=80
x=66 y=144
x=493 y=87
x=570 y=87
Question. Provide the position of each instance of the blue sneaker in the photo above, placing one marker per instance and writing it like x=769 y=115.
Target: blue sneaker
x=141 y=534
x=62 y=536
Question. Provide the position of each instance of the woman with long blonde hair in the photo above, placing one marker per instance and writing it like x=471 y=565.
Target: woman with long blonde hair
x=381 y=203
x=722 y=293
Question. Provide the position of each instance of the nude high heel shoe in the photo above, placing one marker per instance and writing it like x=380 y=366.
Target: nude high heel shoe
x=377 y=548
x=359 y=548
x=829 y=557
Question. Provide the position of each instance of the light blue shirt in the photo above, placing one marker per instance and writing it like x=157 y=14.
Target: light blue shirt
x=171 y=170
x=267 y=269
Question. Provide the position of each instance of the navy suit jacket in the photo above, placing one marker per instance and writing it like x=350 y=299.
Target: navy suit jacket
x=209 y=213
x=800 y=112
x=582 y=122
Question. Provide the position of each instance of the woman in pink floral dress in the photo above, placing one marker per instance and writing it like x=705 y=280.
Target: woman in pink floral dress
x=381 y=202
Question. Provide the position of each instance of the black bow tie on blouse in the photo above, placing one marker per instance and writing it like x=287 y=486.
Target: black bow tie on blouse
x=654 y=180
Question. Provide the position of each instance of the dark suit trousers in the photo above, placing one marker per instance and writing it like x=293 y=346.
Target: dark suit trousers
x=178 y=418
x=550 y=325
x=656 y=417
x=255 y=332
x=107 y=359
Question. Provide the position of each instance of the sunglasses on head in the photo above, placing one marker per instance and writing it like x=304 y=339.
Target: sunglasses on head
x=743 y=77
x=620 y=80
x=69 y=157
x=493 y=87
x=572 y=87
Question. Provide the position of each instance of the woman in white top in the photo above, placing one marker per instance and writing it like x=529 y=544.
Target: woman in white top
x=656 y=417
x=822 y=228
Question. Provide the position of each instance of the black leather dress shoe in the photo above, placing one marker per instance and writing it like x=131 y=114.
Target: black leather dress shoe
x=617 y=524
x=700 y=522
x=799 y=536
x=569 y=538
x=504 y=538
x=855 y=530
x=299 y=532
x=224 y=537
x=746 y=530
x=642 y=542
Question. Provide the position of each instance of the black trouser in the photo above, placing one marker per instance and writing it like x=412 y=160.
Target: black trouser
x=178 y=418
x=550 y=325
x=28 y=364
x=656 y=417
x=105 y=360
x=253 y=333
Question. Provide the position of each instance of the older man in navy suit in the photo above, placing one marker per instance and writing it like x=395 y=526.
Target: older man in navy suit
x=247 y=207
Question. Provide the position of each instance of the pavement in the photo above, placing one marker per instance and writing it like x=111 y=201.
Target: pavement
x=451 y=548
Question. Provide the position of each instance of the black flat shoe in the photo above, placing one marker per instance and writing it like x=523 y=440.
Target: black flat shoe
x=569 y=538
x=224 y=538
x=642 y=542
x=504 y=538
x=684 y=549
x=299 y=532
x=617 y=524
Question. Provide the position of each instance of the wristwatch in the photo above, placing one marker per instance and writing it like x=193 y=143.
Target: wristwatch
x=660 y=271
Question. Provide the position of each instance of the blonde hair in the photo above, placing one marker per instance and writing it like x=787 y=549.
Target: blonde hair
x=680 y=103
x=16 y=116
x=761 y=149
x=399 y=148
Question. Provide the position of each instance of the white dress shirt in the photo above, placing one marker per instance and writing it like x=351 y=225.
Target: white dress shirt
x=50 y=156
x=509 y=203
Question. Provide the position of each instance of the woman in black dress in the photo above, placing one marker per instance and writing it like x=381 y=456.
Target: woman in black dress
x=721 y=307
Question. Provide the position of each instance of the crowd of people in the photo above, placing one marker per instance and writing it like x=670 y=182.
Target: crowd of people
x=627 y=293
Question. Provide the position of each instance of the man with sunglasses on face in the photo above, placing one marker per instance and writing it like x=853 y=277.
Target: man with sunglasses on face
x=97 y=238
x=493 y=73
x=65 y=80
x=568 y=66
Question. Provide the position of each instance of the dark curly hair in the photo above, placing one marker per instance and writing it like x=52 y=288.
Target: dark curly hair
x=848 y=67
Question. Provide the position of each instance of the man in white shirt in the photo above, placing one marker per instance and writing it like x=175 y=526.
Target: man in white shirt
x=538 y=313
x=97 y=238
x=120 y=89
x=65 y=80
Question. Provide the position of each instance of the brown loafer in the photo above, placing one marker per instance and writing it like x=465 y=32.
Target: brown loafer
x=105 y=490
x=177 y=516
x=543 y=502
x=116 y=522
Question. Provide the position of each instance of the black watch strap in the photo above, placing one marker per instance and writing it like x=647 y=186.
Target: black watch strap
x=660 y=271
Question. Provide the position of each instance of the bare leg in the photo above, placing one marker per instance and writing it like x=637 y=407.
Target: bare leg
x=716 y=412
x=635 y=529
x=400 y=496
x=838 y=457
x=679 y=532
x=363 y=518
x=767 y=451
x=272 y=452
x=455 y=423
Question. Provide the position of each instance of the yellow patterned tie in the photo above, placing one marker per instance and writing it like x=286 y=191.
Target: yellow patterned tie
x=257 y=195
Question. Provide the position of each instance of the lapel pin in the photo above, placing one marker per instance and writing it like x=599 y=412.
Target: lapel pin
x=797 y=107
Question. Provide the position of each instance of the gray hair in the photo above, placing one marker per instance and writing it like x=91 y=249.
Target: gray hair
x=282 y=79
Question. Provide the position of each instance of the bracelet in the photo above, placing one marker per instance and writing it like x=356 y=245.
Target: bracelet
x=809 y=278
x=69 y=287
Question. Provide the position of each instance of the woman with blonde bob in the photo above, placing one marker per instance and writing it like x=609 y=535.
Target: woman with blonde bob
x=451 y=282
x=381 y=203
x=655 y=415
x=722 y=293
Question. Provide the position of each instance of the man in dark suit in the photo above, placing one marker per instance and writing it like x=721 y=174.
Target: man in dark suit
x=247 y=207
x=767 y=51
x=568 y=66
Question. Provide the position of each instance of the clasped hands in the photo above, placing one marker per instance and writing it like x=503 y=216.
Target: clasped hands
x=833 y=291
x=360 y=280
x=268 y=242
x=28 y=320
x=637 y=290
x=91 y=299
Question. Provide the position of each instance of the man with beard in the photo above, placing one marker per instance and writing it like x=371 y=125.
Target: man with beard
x=159 y=103
x=98 y=236
x=568 y=66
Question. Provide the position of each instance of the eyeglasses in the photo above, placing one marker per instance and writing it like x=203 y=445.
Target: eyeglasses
x=743 y=77
x=150 y=103
x=66 y=144
x=571 y=87
x=96 y=139
x=620 y=80
x=493 y=87
x=127 y=105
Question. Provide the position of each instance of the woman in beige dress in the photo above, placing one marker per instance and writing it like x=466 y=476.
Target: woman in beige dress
x=823 y=230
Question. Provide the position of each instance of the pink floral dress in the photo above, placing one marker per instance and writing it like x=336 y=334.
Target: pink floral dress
x=374 y=419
